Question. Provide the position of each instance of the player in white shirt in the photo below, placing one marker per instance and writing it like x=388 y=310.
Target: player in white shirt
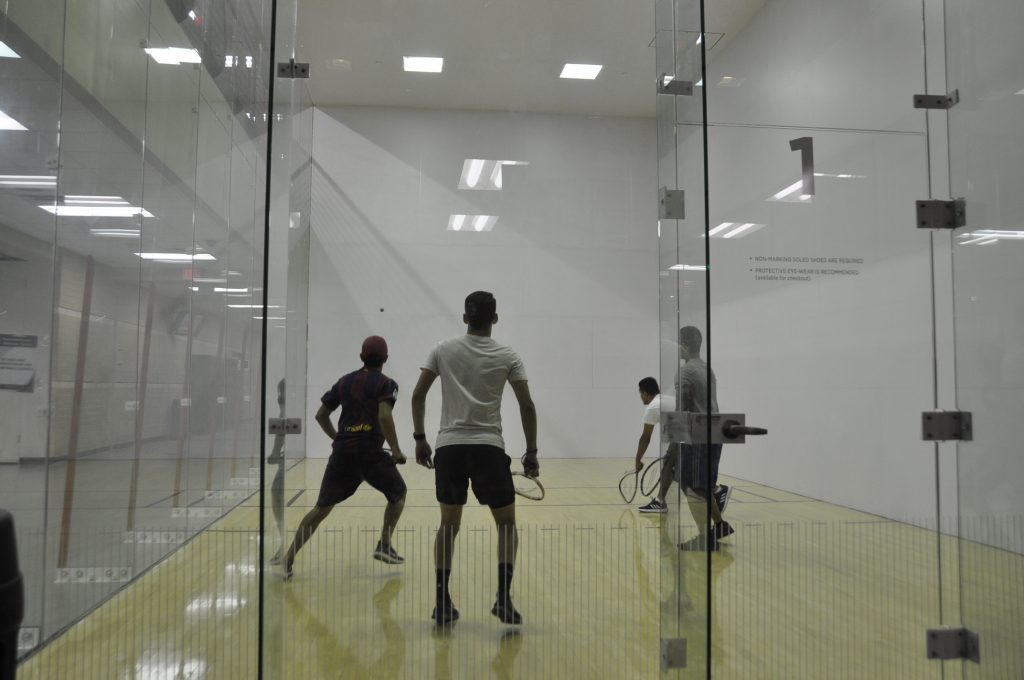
x=650 y=395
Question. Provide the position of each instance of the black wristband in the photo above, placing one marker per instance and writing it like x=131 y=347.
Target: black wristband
x=419 y=436
x=529 y=451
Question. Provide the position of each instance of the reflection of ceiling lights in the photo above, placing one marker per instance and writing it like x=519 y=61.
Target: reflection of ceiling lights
x=7 y=53
x=734 y=229
x=115 y=233
x=230 y=290
x=28 y=181
x=423 y=64
x=984 y=237
x=174 y=56
x=254 y=306
x=842 y=175
x=729 y=81
x=689 y=267
x=8 y=123
x=472 y=222
x=480 y=174
x=790 y=193
x=580 y=71
x=176 y=257
x=95 y=206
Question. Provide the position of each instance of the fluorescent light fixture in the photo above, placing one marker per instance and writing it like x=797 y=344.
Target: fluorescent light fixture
x=230 y=290
x=985 y=243
x=209 y=280
x=790 y=193
x=7 y=53
x=720 y=228
x=689 y=267
x=472 y=222
x=699 y=83
x=983 y=237
x=194 y=289
x=192 y=15
x=271 y=318
x=423 y=64
x=700 y=39
x=729 y=81
x=94 y=200
x=96 y=210
x=8 y=123
x=1020 y=92
x=476 y=166
x=28 y=181
x=176 y=257
x=115 y=233
x=580 y=71
x=230 y=61
x=174 y=56
x=254 y=306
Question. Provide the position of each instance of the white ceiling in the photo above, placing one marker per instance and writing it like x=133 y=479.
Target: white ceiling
x=502 y=55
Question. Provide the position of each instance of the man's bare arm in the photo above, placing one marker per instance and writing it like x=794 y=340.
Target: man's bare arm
x=641 y=447
x=323 y=417
x=419 y=410
x=387 y=426
x=528 y=413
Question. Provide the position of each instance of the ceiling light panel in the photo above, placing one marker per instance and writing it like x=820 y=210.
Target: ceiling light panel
x=7 y=53
x=472 y=222
x=423 y=64
x=174 y=56
x=176 y=257
x=8 y=123
x=580 y=71
x=481 y=174
x=44 y=181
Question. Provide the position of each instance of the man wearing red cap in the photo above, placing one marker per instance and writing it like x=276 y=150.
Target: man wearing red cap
x=366 y=398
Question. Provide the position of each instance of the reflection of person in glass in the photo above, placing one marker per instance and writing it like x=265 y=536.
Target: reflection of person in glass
x=366 y=397
x=654 y=403
x=697 y=392
x=276 y=457
x=474 y=369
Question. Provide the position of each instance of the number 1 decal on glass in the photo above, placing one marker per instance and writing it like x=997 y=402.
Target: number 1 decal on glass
x=806 y=147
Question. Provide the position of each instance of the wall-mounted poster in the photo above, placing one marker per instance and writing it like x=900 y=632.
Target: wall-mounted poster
x=17 y=362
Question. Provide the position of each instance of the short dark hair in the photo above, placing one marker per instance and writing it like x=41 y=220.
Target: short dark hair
x=650 y=386
x=480 y=308
x=690 y=338
x=373 y=360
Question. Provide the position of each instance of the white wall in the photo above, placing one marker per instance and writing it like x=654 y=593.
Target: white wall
x=572 y=260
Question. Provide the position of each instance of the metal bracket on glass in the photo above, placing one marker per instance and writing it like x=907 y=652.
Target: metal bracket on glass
x=673 y=653
x=937 y=101
x=692 y=428
x=953 y=643
x=671 y=204
x=941 y=214
x=669 y=85
x=284 y=426
x=293 y=69
x=942 y=426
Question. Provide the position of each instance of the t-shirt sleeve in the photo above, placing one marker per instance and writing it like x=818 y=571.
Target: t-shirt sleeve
x=652 y=414
x=388 y=392
x=517 y=372
x=332 y=397
x=432 y=363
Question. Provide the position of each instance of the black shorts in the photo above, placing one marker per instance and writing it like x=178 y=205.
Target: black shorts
x=348 y=468
x=696 y=463
x=487 y=467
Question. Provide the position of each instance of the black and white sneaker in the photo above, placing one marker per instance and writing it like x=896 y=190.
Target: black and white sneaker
x=386 y=553
x=700 y=544
x=723 y=529
x=287 y=571
x=505 y=612
x=722 y=495
x=654 y=506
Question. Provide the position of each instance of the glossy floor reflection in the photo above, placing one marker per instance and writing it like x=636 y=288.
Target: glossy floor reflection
x=802 y=590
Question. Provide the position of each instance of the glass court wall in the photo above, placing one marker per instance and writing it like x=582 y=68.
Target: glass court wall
x=834 y=317
x=132 y=304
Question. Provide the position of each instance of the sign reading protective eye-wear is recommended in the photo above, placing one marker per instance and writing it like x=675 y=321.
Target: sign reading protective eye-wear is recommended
x=17 y=362
x=803 y=268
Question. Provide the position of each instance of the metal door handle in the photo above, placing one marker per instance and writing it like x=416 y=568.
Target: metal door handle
x=733 y=429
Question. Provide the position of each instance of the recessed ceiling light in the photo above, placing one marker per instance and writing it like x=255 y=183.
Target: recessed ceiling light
x=580 y=71
x=689 y=267
x=230 y=290
x=96 y=210
x=174 y=56
x=115 y=233
x=8 y=123
x=481 y=174
x=176 y=257
x=254 y=306
x=472 y=222
x=720 y=228
x=423 y=64
x=7 y=53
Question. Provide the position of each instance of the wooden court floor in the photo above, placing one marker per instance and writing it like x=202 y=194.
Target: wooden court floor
x=802 y=590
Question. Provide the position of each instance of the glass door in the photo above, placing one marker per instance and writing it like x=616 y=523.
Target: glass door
x=798 y=266
x=985 y=64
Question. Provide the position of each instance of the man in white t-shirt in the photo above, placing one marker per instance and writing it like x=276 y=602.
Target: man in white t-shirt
x=474 y=369
x=650 y=395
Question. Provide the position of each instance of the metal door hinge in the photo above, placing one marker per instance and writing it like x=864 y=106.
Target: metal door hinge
x=293 y=69
x=941 y=214
x=953 y=643
x=284 y=426
x=937 y=101
x=941 y=426
x=671 y=204
x=669 y=85
x=673 y=653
